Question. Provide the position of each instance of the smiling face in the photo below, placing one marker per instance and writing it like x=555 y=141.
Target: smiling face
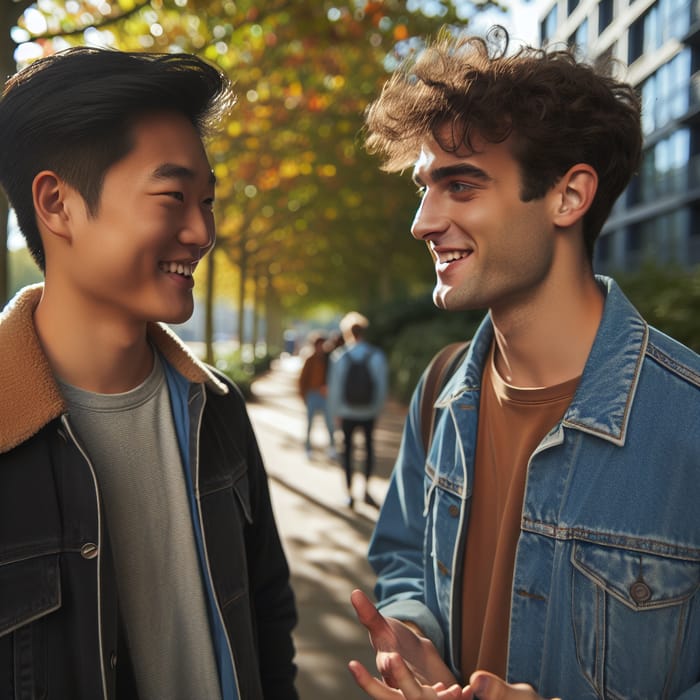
x=490 y=248
x=133 y=259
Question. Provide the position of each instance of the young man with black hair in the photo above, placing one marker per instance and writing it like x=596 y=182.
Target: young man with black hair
x=547 y=541
x=139 y=556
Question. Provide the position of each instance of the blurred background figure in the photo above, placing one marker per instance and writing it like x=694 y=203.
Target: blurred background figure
x=313 y=390
x=357 y=389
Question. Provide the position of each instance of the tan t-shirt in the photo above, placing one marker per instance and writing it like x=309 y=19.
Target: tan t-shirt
x=512 y=422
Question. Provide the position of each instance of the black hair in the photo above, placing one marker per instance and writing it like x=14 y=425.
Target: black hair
x=73 y=113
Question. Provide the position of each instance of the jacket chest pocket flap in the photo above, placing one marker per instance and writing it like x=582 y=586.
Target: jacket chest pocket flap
x=637 y=579
x=630 y=617
x=29 y=590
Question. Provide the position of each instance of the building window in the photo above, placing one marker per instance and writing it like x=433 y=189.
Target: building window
x=571 y=5
x=579 y=39
x=662 y=22
x=665 y=168
x=605 y=14
x=666 y=93
x=635 y=40
x=548 y=26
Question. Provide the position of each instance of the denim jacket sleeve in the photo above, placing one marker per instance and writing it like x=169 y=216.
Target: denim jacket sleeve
x=396 y=550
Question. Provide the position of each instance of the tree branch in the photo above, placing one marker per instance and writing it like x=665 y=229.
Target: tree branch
x=106 y=22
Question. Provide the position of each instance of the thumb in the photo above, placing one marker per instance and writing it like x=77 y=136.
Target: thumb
x=365 y=610
x=371 y=618
x=487 y=686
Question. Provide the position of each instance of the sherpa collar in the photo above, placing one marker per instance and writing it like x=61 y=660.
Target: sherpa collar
x=31 y=397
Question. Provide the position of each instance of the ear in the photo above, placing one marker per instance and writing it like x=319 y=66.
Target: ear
x=575 y=192
x=50 y=194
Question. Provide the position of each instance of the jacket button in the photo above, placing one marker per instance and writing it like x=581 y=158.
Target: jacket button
x=640 y=592
x=113 y=659
x=89 y=550
x=453 y=510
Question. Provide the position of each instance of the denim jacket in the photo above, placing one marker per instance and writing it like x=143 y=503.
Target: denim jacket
x=605 y=600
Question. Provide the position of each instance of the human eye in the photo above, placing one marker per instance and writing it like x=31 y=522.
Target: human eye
x=179 y=196
x=208 y=203
x=461 y=187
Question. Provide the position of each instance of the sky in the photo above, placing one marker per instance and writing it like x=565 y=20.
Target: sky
x=521 y=21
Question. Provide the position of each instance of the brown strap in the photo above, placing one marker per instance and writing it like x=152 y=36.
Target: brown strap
x=439 y=370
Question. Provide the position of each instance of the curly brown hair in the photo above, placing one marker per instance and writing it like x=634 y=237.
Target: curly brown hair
x=559 y=112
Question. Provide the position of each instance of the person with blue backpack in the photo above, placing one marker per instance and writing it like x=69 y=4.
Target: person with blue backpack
x=357 y=389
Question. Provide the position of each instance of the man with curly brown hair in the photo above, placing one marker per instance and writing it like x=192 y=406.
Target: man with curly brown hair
x=545 y=541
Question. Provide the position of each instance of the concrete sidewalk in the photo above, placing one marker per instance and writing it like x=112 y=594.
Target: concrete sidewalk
x=325 y=541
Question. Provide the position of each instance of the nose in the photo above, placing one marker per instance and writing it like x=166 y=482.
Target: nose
x=428 y=219
x=198 y=230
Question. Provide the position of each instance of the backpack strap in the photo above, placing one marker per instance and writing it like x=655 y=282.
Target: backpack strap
x=438 y=372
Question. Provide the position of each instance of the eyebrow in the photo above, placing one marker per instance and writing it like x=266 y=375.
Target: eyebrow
x=452 y=170
x=168 y=171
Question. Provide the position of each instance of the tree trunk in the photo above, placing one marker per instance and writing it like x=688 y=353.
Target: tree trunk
x=209 y=311
x=9 y=14
x=243 y=272
x=257 y=306
x=273 y=319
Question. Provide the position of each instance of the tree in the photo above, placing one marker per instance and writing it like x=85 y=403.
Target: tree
x=303 y=212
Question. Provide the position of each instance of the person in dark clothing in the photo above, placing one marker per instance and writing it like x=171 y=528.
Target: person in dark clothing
x=361 y=412
x=139 y=556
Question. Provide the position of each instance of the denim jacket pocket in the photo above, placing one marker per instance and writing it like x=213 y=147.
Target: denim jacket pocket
x=630 y=610
x=30 y=590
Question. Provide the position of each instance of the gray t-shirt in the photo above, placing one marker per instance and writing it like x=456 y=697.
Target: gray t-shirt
x=131 y=441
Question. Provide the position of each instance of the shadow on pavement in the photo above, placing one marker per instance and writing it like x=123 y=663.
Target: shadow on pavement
x=325 y=541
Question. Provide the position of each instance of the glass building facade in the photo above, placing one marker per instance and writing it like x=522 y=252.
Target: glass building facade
x=658 y=216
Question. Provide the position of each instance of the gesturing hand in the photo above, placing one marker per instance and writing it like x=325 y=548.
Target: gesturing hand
x=399 y=681
x=486 y=686
x=409 y=664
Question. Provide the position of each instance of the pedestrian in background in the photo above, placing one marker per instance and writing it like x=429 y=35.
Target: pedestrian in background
x=313 y=389
x=357 y=390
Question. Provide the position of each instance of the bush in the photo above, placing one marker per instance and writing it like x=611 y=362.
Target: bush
x=411 y=331
x=668 y=298
x=243 y=373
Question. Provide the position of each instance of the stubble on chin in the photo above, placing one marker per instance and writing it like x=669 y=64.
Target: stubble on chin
x=440 y=298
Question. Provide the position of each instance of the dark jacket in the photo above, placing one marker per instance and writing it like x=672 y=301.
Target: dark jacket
x=59 y=616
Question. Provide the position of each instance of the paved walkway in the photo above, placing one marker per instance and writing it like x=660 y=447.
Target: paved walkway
x=325 y=541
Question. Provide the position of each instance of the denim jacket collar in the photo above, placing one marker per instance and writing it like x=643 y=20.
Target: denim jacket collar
x=603 y=400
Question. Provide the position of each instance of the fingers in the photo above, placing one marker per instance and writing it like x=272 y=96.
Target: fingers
x=398 y=675
x=366 y=612
x=407 y=688
x=380 y=632
x=370 y=685
x=486 y=686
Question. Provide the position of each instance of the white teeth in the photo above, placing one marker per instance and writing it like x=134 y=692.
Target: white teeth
x=185 y=269
x=452 y=255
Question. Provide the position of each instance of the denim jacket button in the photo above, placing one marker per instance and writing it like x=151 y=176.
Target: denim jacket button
x=640 y=592
x=88 y=550
x=453 y=510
